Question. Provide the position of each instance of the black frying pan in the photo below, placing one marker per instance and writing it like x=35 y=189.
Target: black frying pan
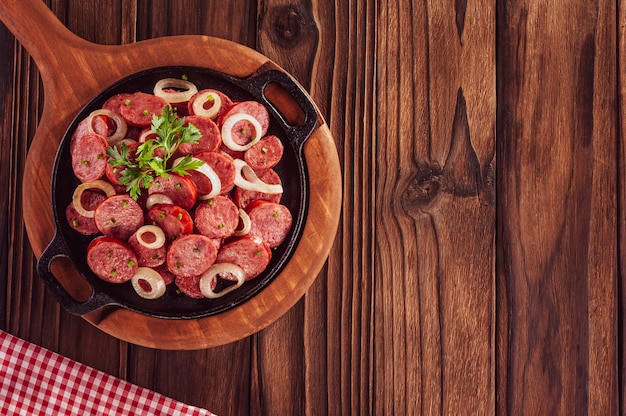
x=292 y=169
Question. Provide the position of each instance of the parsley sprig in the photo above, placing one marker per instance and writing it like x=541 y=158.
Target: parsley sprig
x=152 y=157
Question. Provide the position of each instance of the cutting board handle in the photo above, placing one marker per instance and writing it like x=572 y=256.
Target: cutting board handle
x=40 y=32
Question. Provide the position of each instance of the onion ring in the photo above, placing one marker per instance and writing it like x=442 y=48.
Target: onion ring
x=189 y=89
x=151 y=277
x=104 y=186
x=246 y=178
x=209 y=279
x=156 y=199
x=198 y=105
x=121 y=128
x=206 y=170
x=227 y=131
x=158 y=234
x=246 y=224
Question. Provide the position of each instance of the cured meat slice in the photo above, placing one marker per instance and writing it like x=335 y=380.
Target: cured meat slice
x=265 y=154
x=191 y=255
x=173 y=220
x=138 y=108
x=269 y=221
x=111 y=259
x=217 y=218
x=202 y=102
x=148 y=257
x=190 y=286
x=253 y=108
x=249 y=253
x=211 y=138
x=89 y=158
x=222 y=165
x=118 y=216
x=180 y=189
x=243 y=197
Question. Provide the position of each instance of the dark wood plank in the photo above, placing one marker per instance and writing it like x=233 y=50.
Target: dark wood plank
x=557 y=208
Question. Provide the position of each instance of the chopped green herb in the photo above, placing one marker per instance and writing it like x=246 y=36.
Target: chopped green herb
x=180 y=217
x=264 y=149
x=140 y=173
x=75 y=223
x=275 y=215
x=221 y=225
x=127 y=102
x=84 y=162
x=209 y=202
x=112 y=221
x=196 y=250
x=130 y=263
x=124 y=204
x=100 y=156
x=210 y=98
x=184 y=77
x=113 y=272
x=146 y=112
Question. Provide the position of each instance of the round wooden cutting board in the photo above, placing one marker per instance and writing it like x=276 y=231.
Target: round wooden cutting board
x=81 y=71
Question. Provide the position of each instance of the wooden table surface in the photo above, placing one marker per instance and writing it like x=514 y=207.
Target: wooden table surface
x=478 y=266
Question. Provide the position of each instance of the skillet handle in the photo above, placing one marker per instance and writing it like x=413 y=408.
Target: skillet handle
x=257 y=85
x=58 y=248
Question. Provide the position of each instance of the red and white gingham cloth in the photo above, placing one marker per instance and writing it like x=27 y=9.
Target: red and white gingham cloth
x=36 y=381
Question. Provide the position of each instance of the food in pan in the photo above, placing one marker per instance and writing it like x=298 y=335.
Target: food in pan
x=178 y=188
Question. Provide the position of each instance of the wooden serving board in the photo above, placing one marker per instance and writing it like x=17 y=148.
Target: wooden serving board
x=73 y=71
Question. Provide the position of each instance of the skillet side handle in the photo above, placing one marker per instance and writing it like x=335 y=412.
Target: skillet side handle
x=54 y=250
x=259 y=85
x=39 y=31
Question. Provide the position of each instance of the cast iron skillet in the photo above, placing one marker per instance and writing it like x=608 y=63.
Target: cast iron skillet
x=292 y=170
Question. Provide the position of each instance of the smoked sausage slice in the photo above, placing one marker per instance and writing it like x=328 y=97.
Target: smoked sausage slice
x=111 y=259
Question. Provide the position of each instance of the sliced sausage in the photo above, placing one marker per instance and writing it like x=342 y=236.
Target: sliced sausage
x=211 y=137
x=118 y=216
x=206 y=101
x=138 y=108
x=269 y=221
x=89 y=158
x=173 y=220
x=111 y=259
x=217 y=218
x=189 y=286
x=148 y=257
x=250 y=253
x=84 y=225
x=243 y=197
x=115 y=102
x=180 y=189
x=265 y=154
x=253 y=108
x=191 y=255
x=222 y=165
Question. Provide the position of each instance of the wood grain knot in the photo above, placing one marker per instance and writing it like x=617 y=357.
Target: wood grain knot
x=288 y=24
x=423 y=187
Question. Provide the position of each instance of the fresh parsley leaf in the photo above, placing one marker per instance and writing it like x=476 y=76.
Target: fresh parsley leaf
x=151 y=158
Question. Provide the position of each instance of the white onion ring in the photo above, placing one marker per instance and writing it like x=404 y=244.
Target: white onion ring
x=143 y=136
x=227 y=131
x=246 y=224
x=121 y=128
x=206 y=170
x=153 y=278
x=158 y=234
x=208 y=277
x=156 y=199
x=246 y=178
x=198 y=105
x=104 y=186
x=175 y=97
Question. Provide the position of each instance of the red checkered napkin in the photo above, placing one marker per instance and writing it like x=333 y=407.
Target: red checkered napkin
x=36 y=381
